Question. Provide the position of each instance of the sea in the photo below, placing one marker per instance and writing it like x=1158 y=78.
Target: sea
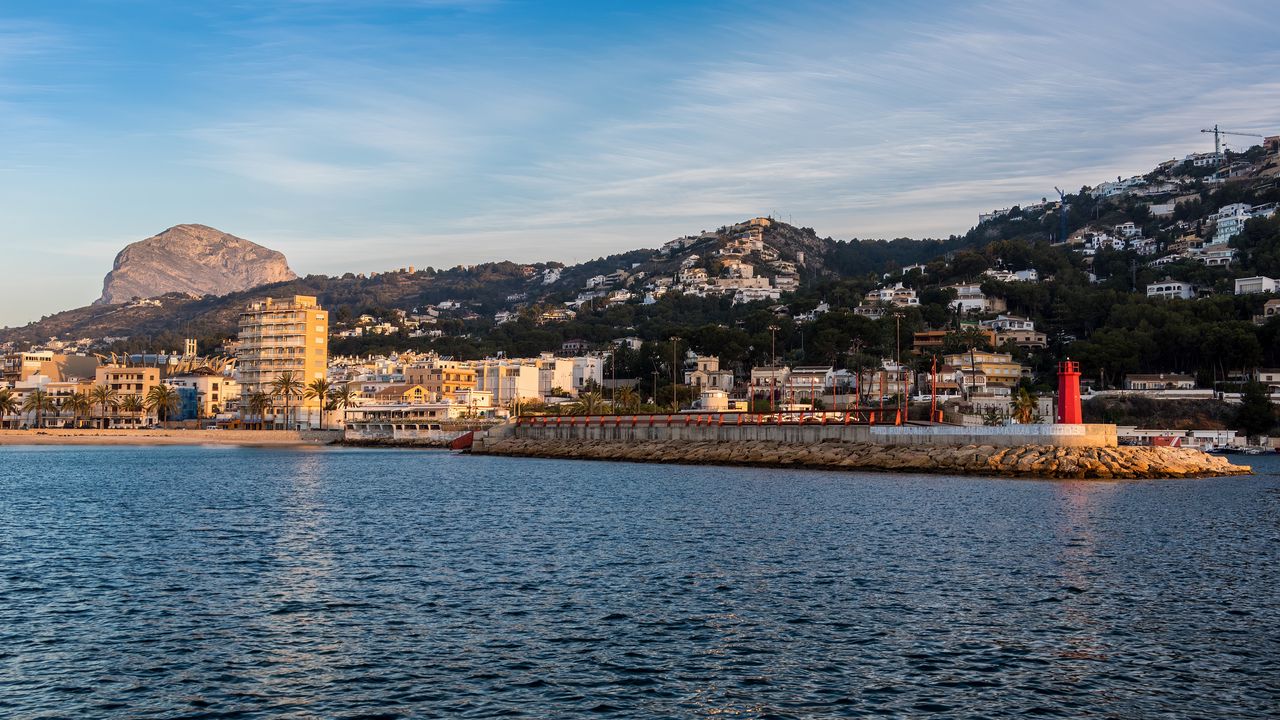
x=223 y=582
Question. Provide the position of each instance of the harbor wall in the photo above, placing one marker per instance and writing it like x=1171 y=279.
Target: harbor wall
x=634 y=430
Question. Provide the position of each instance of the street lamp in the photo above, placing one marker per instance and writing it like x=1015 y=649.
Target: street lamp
x=675 y=402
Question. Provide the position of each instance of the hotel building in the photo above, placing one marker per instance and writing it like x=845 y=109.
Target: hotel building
x=278 y=336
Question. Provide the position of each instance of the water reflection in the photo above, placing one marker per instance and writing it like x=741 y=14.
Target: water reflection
x=358 y=583
x=1078 y=506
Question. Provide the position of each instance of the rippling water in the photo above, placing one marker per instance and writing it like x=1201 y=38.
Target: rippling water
x=207 y=582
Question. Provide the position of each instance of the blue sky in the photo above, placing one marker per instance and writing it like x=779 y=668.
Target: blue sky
x=366 y=136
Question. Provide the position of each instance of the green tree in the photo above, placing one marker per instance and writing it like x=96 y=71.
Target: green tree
x=1257 y=415
x=625 y=400
x=79 y=405
x=589 y=403
x=164 y=401
x=106 y=398
x=286 y=386
x=132 y=405
x=342 y=397
x=257 y=404
x=1025 y=407
x=9 y=404
x=320 y=389
x=38 y=402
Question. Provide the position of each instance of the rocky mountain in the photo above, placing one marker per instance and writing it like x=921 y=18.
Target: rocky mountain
x=194 y=259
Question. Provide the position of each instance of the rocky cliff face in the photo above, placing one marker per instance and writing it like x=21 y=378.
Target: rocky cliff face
x=192 y=259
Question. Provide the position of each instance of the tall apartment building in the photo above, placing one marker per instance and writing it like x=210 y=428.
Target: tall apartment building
x=278 y=336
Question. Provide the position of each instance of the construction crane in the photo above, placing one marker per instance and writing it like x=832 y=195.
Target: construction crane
x=1217 y=137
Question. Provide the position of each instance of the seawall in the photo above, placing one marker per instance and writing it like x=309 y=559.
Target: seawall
x=736 y=428
x=1045 y=451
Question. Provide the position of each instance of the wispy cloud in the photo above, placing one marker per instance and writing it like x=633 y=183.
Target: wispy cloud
x=402 y=132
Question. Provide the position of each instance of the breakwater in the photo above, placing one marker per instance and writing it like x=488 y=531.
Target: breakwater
x=1043 y=461
x=1045 y=451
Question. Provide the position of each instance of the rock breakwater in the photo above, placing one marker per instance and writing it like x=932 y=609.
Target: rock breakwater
x=1036 y=461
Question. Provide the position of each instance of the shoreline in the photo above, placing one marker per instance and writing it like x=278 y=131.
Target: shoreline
x=1043 y=462
x=245 y=438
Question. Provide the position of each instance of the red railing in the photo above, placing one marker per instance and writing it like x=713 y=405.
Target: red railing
x=864 y=416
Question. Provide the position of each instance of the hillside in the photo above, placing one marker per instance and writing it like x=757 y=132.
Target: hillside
x=484 y=288
x=721 y=291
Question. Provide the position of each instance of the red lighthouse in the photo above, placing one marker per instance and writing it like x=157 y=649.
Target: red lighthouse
x=1069 y=412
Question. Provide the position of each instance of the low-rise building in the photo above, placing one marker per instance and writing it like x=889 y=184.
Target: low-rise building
x=1270 y=377
x=213 y=392
x=1254 y=285
x=1270 y=309
x=998 y=368
x=404 y=394
x=136 y=382
x=897 y=295
x=1171 y=290
x=1026 y=339
x=932 y=340
x=707 y=374
x=970 y=298
x=1160 y=381
x=807 y=383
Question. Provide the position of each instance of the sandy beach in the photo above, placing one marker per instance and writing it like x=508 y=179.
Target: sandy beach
x=168 y=437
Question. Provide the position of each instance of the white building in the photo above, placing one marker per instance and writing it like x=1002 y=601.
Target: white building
x=587 y=369
x=507 y=380
x=1254 y=285
x=1005 y=323
x=970 y=298
x=1171 y=289
x=897 y=295
x=1229 y=221
x=555 y=373
x=1214 y=254
x=1029 y=275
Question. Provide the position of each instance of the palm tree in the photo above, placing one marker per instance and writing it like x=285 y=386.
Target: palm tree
x=38 y=402
x=589 y=403
x=132 y=404
x=163 y=400
x=9 y=404
x=343 y=397
x=1025 y=407
x=625 y=400
x=286 y=385
x=258 y=403
x=79 y=405
x=106 y=398
x=319 y=389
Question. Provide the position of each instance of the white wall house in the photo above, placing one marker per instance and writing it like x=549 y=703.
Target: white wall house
x=1171 y=289
x=1255 y=285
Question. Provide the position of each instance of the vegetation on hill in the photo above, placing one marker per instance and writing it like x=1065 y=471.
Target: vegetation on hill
x=1093 y=309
